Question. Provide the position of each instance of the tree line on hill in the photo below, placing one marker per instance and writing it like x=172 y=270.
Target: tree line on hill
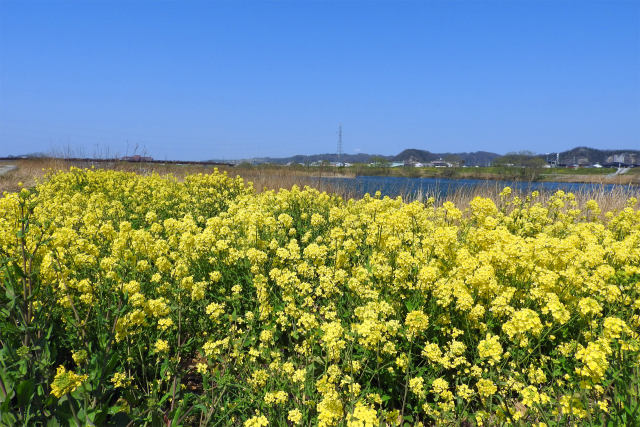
x=579 y=155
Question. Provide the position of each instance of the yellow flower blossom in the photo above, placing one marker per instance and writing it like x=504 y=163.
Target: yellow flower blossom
x=161 y=346
x=66 y=382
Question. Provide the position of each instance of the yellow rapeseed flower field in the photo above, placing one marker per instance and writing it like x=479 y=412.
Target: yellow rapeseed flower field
x=149 y=300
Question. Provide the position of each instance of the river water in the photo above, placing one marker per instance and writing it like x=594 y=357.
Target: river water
x=441 y=187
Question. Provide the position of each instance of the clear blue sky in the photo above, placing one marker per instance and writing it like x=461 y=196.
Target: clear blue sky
x=236 y=79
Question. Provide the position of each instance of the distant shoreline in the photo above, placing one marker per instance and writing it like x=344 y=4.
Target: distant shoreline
x=632 y=177
x=29 y=169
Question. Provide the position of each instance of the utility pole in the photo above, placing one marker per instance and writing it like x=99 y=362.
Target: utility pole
x=340 y=145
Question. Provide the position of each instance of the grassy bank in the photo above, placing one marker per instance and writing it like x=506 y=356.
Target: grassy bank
x=585 y=175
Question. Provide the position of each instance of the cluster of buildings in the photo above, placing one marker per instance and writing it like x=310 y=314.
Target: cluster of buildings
x=406 y=163
x=573 y=159
x=323 y=163
x=622 y=160
x=136 y=158
x=432 y=164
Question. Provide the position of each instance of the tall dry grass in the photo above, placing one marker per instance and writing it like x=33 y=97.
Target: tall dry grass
x=608 y=200
x=29 y=171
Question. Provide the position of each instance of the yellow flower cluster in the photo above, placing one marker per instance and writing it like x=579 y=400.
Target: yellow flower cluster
x=66 y=382
x=300 y=307
x=490 y=349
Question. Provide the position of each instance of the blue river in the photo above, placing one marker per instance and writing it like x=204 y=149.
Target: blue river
x=442 y=187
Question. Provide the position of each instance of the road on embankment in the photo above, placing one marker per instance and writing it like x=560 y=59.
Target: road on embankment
x=620 y=171
x=7 y=168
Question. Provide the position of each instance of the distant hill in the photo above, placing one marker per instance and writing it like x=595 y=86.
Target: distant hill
x=477 y=158
x=37 y=155
x=307 y=159
x=578 y=155
x=415 y=155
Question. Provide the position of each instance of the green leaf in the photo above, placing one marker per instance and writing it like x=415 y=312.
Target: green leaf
x=6 y=392
x=8 y=419
x=631 y=413
x=22 y=367
x=165 y=397
x=53 y=423
x=176 y=416
x=120 y=419
x=24 y=392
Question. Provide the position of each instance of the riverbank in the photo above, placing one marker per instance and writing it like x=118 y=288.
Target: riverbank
x=592 y=176
x=491 y=173
x=268 y=176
